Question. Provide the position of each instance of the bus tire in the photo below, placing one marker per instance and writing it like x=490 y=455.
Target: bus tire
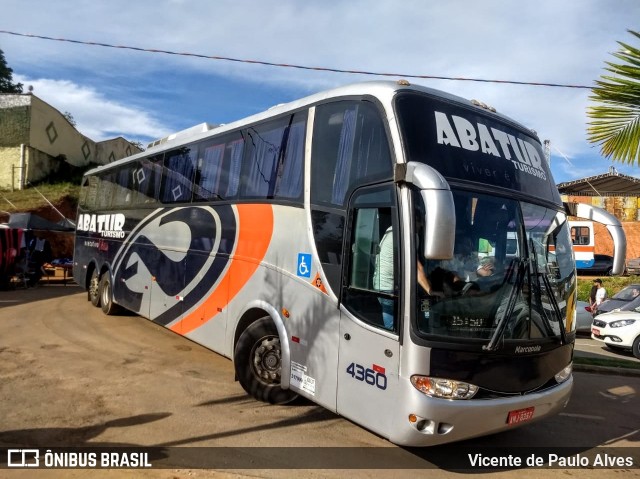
x=93 y=291
x=258 y=363
x=106 y=296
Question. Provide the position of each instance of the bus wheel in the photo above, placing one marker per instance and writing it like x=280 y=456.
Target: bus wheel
x=258 y=363
x=106 y=296
x=93 y=293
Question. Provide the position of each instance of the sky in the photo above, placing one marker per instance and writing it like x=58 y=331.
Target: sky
x=144 y=96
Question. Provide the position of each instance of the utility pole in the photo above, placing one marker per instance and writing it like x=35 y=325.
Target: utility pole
x=547 y=151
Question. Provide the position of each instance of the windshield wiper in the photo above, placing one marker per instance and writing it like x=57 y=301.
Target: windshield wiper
x=555 y=306
x=511 y=304
x=550 y=295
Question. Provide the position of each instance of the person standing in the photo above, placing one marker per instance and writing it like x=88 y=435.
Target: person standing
x=601 y=293
x=592 y=297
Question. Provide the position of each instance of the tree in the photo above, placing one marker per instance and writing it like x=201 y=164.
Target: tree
x=616 y=120
x=69 y=118
x=6 y=78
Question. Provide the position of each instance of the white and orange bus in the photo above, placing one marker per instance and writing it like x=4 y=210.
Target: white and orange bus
x=583 y=239
x=327 y=247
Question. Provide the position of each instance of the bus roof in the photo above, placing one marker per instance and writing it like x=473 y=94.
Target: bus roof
x=380 y=89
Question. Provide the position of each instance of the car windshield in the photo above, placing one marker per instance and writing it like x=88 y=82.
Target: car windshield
x=631 y=305
x=628 y=293
x=510 y=278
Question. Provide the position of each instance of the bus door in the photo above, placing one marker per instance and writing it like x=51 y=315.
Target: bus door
x=369 y=323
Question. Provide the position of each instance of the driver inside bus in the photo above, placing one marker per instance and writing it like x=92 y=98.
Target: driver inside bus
x=456 y=275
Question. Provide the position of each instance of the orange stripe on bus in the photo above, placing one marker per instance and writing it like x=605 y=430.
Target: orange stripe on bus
x=584 y=249
x=255 y=229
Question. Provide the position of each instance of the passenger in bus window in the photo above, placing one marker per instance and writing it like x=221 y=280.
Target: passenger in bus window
x=383 y=277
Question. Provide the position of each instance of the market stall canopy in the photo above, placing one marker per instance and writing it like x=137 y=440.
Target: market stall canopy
x=31 y=221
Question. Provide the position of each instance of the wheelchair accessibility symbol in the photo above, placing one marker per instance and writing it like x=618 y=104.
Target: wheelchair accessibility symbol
x=304 y=265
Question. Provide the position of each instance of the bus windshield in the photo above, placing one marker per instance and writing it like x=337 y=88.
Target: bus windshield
x=510 y=278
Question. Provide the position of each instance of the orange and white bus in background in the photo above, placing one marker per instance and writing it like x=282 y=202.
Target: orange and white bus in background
x=583 y=240
x=331 y=246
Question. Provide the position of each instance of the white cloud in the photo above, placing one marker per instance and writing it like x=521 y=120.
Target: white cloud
x=543 y=41
x=96 y=116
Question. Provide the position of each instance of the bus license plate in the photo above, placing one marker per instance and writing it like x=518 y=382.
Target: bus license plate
x=520 y=415
x=596 y=332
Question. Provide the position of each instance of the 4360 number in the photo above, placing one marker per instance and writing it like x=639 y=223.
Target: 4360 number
x=369 y=376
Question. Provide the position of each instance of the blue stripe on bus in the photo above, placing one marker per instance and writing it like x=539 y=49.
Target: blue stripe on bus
x=583 y=264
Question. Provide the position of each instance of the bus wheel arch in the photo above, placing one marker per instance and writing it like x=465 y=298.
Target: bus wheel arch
x=261 y=357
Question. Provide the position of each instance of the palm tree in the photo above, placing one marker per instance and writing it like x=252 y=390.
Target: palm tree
x=616 y=120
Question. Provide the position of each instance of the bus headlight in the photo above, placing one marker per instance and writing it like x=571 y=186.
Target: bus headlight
x=443 y=388
x=565 y=374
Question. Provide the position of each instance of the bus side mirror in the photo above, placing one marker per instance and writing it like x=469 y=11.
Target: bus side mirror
x=440 y=215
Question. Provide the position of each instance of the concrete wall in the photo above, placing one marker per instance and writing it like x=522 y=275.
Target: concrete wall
x=49 y=139
x=9 y=165
x=14 y=131
x=109 y=151
x=51 y=133
x=14 y=120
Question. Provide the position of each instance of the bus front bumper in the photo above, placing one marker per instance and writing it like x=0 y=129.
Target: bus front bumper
x=427 y=421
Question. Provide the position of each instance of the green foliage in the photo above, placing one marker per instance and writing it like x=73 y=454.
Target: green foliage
x=29 y=199
x=616 y=119
x=69 y=118
x=6 y=78
x=612 y=284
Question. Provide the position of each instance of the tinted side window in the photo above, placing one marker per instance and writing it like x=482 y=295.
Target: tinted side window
x=89 y=192
x=265 y=145
x=106 y=189
x=218 y=171
x=147 y=177
x=350 y=148
x=178 y=172
x=328 y=231
x=289 y=180
x=122 y=192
